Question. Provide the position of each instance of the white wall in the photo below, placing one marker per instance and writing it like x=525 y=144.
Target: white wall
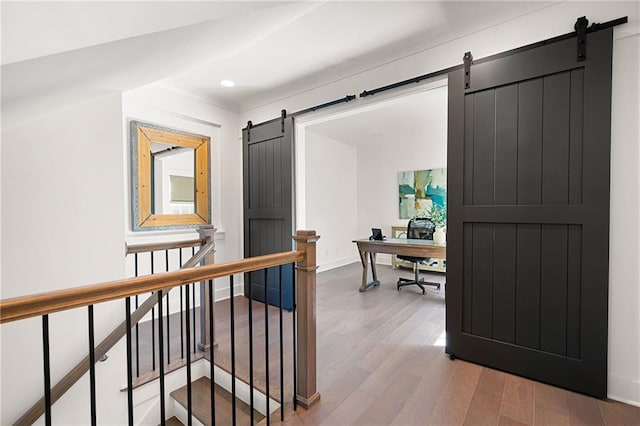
x=624 y=292
x=65 y=208
x=62 y=180
x=624 y=226
x=378 y=168
x=331 y=198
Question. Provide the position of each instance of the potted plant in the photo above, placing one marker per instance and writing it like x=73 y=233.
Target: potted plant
x=438 y=215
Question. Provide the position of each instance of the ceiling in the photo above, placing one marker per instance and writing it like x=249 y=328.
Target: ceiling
x=52 y=48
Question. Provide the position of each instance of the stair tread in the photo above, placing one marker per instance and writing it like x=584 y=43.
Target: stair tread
x=201 y=391
x=242 y=373
x=173 y=421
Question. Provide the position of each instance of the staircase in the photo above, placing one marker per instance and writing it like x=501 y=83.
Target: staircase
x=257 y=344
x=201 y=391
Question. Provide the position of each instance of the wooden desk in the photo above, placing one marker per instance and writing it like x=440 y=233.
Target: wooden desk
x=402 y=246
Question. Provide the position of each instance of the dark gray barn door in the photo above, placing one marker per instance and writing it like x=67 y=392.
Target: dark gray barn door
x=528 y=200
x=268 y=204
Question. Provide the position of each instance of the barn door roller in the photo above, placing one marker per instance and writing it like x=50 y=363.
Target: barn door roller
x=283 y=115
x=249 y=126
x=468 y=59
x=581 y=33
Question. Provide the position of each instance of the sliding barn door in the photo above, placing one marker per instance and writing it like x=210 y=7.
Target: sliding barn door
x=268 y=205
x=528 y=230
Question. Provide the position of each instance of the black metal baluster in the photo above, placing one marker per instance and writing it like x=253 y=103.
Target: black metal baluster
x=47 y=370
x=137 y=328
x=193 y=296
x=187 y=329
x=193 y=314
x=233 y=351
x=211 y=359
x=293 y=318
x=161 y=357
x=92 y=367
x=181 y=314
x=251 y=347
x=129 y=366
x=281 y=352
x=166 y=268
x=153 y=328
x=266 y=340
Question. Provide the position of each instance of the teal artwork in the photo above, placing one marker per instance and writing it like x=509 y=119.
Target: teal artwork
x=419 y=189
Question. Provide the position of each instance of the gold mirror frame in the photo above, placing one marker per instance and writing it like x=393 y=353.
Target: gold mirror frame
x=142 y=134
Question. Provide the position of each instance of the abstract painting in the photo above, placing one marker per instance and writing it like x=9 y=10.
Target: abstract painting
x=419 y=189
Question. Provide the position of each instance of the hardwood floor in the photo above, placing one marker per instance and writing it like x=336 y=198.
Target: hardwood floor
x=381 y=361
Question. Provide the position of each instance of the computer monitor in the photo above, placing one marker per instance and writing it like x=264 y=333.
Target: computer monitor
x=376 y=234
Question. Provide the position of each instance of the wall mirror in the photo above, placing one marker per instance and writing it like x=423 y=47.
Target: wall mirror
x=170 y=178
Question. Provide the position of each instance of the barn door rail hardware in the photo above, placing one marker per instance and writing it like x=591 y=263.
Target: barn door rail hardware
x=594 y=27
x=282 y=117
x=344 y=100
x=413 y=80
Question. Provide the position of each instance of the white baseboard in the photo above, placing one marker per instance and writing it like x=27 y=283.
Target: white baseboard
x=381 y=259
x=336 y=263
x=223 y=293
x=624 y=389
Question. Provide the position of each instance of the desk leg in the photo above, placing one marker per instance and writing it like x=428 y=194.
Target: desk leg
x=368 y=262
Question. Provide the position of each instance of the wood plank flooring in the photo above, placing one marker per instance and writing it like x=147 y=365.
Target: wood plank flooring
x=381 y=362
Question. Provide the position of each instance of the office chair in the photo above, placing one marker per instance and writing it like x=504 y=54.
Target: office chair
x=418 y=228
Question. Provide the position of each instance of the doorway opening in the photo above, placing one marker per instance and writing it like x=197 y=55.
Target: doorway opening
x=348 y=165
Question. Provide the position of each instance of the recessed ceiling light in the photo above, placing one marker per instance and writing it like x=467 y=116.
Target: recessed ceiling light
x=227 y=83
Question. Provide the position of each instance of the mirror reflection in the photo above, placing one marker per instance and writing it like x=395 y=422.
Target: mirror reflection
x=172 y=179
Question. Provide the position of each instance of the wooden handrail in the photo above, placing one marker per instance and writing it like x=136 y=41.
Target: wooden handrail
x=143 y=248
x=69 y=379
x=45 y=303
x=23 y=307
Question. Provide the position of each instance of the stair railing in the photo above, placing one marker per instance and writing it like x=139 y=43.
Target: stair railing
x=206 y=248
x=304 y=326
x=164 y=257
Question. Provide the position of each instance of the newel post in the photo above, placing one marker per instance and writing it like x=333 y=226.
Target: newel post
x=306 y=392
x=206 y=233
